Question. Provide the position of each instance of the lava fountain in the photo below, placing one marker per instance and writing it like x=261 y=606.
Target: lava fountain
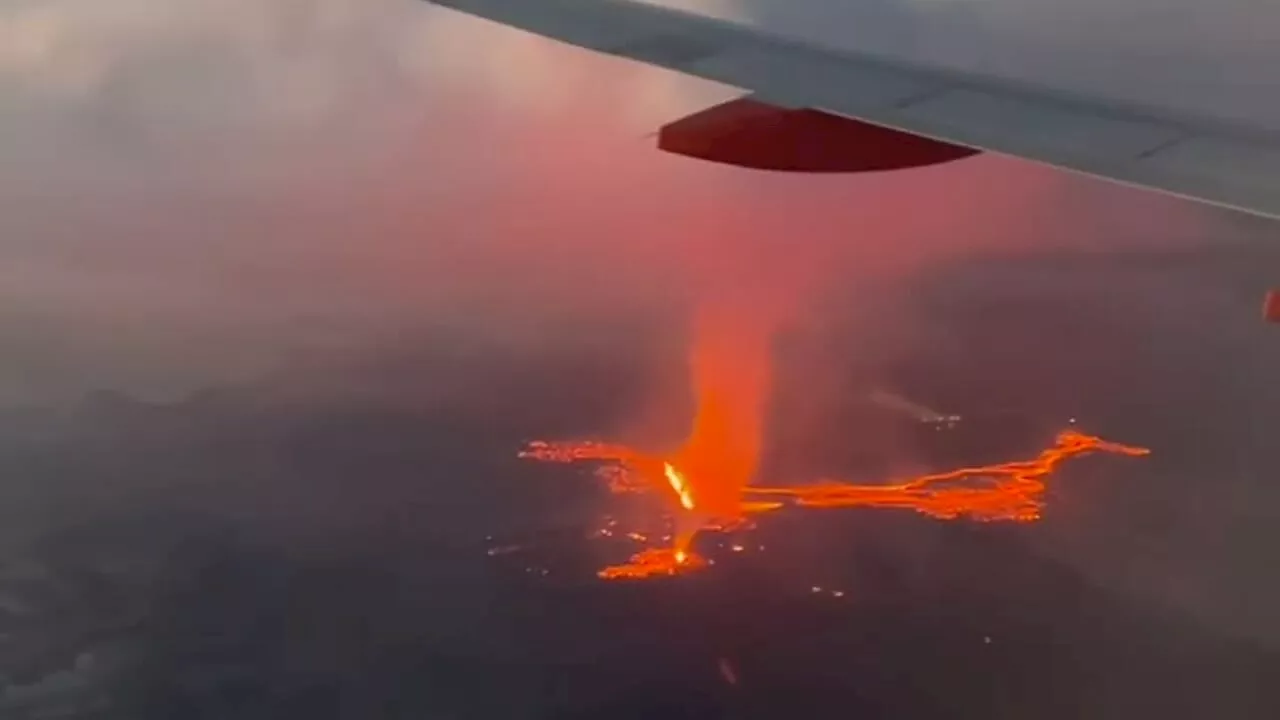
x=709 y=479
x=1012 y=491
x=729 y=368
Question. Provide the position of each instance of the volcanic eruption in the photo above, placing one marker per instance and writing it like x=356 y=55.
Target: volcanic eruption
x=711 y=478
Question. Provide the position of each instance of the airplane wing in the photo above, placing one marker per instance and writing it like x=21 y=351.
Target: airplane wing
x=1231 y=165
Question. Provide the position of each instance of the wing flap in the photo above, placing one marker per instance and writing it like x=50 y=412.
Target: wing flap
x=1220 y=163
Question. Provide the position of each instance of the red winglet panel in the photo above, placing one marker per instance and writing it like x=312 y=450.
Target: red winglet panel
x=1271 y=307
x=752 y=134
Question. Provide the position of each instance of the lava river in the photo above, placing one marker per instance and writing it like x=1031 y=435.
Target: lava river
x=709 y=478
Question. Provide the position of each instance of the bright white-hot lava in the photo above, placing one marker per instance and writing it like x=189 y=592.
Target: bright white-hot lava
x=710 y=476
x=1012 y=491
x=678 y=484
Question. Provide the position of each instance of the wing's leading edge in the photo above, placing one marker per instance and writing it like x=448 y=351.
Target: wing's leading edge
x=1225 y=164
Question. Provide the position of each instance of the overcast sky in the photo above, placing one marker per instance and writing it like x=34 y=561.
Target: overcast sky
x=202 y=192
x=191 y=191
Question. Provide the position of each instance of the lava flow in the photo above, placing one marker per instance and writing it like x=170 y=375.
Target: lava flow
x=729 y=369
x=654 y=561
x=1012 y=491
x=708 y=478
x=1009 y=491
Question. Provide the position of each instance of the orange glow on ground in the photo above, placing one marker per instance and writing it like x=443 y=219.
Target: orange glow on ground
x=729 y=367
x=1012 y=491
x=1009 y=491
x=654 y=562
x=575 y=451
x=709 y=478
x=678 y=484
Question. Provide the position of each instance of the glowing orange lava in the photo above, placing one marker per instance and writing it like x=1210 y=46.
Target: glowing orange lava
x=677 y=482
x=623 y=468
x=654 y=561
x=709 y=477
x=575 y=451
x=729 y=367
x=1009 y=491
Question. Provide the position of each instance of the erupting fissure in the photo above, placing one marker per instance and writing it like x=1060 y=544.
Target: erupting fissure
x=677 y=482
x=709 y=477
x=1012 y=491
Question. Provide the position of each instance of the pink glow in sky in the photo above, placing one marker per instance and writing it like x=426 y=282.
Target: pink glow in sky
x=197 y=192
x=233 y=175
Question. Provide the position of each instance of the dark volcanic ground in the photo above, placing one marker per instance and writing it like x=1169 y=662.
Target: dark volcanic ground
x=285 y=285
x=314 y=545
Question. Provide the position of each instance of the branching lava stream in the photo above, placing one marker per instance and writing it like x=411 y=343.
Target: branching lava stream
x=707 y=479
x=1009 y=491
x=1012 y=491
